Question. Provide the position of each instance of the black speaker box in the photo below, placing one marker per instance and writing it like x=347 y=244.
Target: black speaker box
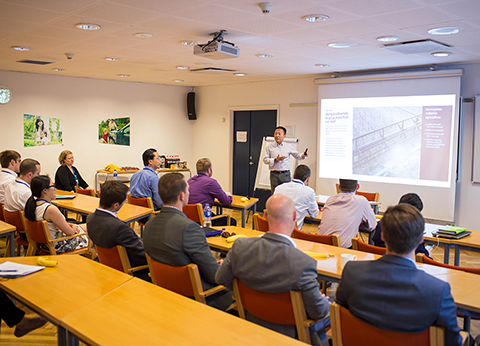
x=192 y=115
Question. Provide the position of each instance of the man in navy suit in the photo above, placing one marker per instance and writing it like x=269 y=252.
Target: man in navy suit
x=391 y=293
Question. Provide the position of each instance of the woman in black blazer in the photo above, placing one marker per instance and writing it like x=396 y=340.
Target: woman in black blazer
x=67 y=176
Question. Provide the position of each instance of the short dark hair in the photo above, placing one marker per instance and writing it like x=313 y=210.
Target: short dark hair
x=37 y=185
x=148 y=155
x=7 y=156
x=281 y=128
x=28 y=166
x=348 y=185
x=412 y=199
x=170 y=185
x=402 y=228
x=112 y=192
x=302 y=172
x=203 y=165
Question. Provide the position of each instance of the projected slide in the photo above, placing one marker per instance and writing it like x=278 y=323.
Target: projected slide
x=405 y=139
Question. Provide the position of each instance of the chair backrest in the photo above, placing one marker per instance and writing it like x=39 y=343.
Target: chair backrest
x=358 y=244
x=370 y=196
x=337 y=187
x=422 y=258
x=141 y=202
x=36 y=230
x=348 y=330
x=2 y=218
x=176 y=279
x=261 y=224
x=332 y=239
x=87 y=192
x=115 y=257
x=194 y=212
x=15 y=218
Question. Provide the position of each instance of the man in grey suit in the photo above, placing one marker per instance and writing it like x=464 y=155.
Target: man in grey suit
x=171 y=238
x=272 y=264
x=391 y=293
x=106 y=230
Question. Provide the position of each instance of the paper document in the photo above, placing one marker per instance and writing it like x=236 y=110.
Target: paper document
x=14 y=270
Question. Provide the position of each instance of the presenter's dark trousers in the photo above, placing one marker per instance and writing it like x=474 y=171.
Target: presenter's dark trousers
x=277 y=178
x=9 y=312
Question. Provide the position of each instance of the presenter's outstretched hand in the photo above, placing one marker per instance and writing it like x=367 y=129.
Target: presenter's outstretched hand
x=280 y=158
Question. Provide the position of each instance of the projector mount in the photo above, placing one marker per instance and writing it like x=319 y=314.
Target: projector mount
x=217 y=37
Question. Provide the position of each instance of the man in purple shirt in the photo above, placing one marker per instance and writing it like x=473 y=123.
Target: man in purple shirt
x=204 y=189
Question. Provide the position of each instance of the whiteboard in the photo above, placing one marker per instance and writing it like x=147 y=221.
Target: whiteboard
x=476 y=143
x=262 y=181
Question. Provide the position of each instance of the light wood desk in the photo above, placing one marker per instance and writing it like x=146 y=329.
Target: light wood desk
x=86 y=205
x=7 y=230
x=139 y=313
x=237 y=204
x=56 y=292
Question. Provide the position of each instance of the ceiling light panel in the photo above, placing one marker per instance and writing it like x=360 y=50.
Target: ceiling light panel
x=315 y=18
x=88 y=26
x=446 y=30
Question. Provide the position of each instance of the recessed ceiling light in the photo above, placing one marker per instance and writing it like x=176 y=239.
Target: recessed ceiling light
x=447 y=30
x=388 y=38
x=112 y=58
x=21 y=48
x=143 y=35
x=183 y=67
x=440 y=54
x=123 y=75
x=178 y=80
x=88 y=26
x=322 y=65
x=189 y=43
x=315 y=18
x=341 y=44
x=264 y=55
x=240 y=74
x=58 y=69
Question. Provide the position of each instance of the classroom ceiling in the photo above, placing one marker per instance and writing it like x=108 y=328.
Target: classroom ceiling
x=48 y=28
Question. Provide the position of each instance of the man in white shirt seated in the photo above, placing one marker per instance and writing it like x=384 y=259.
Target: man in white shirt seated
x=10 y=162
x=302 y=195
x=17 y=193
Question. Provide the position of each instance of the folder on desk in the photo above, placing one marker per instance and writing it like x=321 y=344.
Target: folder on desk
x=452 y=236
x=65 y=197
x=454 y=230
x=210 y=232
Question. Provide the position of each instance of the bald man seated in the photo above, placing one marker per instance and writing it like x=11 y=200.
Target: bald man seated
x=272 y=264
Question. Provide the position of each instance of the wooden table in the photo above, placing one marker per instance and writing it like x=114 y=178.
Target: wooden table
x=86 y=205
x=140 y=313
x=7 y=230
x=56 y=292
x=237 y=204
x=322 y=199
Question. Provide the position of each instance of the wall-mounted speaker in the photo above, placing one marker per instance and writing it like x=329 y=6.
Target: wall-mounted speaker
x=192 y=115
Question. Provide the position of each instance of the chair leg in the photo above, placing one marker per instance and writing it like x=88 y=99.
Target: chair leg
x=7 y=249
x=466 y=323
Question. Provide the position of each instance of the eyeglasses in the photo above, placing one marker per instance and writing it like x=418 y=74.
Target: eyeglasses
x=226 y=234
x=49 y=186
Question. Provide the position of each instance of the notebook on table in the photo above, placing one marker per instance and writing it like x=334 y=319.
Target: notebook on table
x=65 y=197
x=210 y=232
x=452 y=236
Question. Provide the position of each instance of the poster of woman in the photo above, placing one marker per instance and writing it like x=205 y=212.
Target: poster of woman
x=114 y=131
x=39 y=130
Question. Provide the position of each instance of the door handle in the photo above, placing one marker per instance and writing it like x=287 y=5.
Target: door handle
x=251 y=163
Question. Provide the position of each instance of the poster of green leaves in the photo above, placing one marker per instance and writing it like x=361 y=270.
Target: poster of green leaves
x=114 y=131
x=38 y=130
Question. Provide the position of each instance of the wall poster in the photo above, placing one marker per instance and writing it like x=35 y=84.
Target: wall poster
x=38 y=130
x=114 y=131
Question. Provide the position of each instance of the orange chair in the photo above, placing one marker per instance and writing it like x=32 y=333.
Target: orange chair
x=370 y=196
x=195 y=213
x=116 y=257
x=348 y=330
x=332 y=239
x=261 y=224
x=142 y=202
x=87 y=192
x=1 y=212
x=184 y=280
x=16 y=219
x=38 y=233
x=281 y=308
x=358 y=244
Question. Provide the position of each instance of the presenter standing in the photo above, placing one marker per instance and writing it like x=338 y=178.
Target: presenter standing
x=277 y=157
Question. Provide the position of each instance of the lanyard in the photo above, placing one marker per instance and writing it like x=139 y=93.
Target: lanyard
x=7 y=172
x=22 y=182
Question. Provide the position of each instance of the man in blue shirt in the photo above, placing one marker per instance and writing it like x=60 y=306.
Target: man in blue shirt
x=145 y=182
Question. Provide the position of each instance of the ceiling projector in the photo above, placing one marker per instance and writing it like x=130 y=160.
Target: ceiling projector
x=217 y=48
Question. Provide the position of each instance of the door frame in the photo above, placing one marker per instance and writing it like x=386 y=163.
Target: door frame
x=231 y=110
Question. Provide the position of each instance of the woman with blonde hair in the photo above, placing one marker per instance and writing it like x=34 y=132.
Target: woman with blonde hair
x=68 y=176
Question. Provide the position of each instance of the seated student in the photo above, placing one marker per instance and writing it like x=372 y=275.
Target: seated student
x=272 y=264
x=10 y=161
x=144 y=183
x=390 y=292
x=13 y=316
x=345 y=213
x=409 y=198
x=39 y=207
x=302 y=195
x=67 y=175
x=106 y=230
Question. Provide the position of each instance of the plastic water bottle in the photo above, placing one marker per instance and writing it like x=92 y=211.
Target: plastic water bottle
x=115 y=176
x=207 y=216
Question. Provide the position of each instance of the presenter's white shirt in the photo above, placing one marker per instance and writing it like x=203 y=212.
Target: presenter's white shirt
x=284 y=149
x=6 y=177
x=303 y=198
x=16 y=195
